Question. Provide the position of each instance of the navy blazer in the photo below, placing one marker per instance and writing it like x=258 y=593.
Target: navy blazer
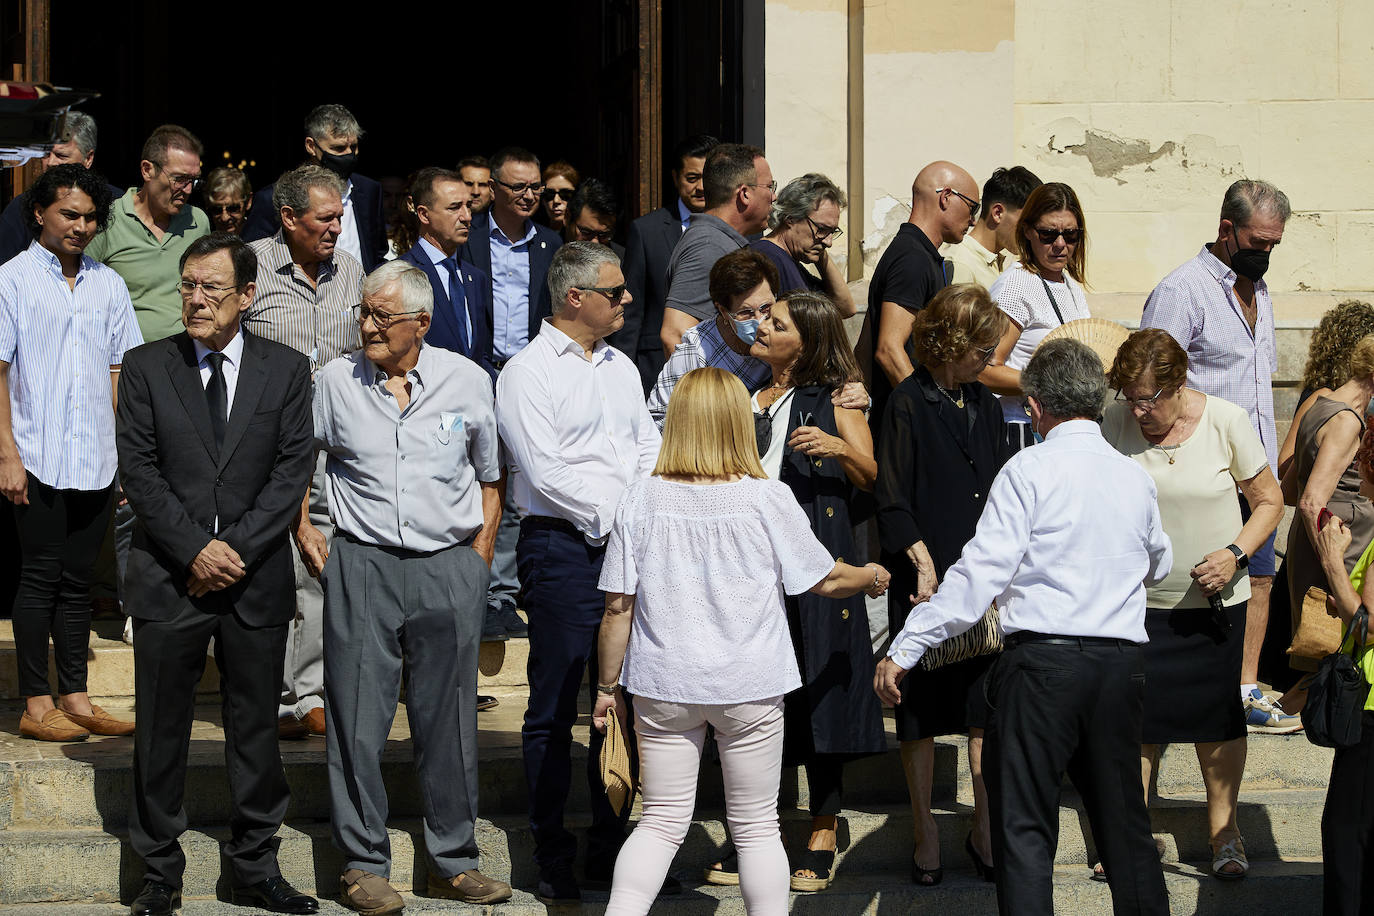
x=264 y=219
x=546 y=241
x=648 y=248
x=443 y=329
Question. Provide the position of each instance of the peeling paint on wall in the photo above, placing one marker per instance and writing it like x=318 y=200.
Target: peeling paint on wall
x=1109 y=155
x=888 y=214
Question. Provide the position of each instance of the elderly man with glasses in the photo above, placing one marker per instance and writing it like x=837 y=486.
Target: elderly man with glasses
x=805 y=223
x=414 y=469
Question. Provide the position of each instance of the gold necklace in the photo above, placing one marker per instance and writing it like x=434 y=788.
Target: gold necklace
x=957 y=402
x=1170 y=451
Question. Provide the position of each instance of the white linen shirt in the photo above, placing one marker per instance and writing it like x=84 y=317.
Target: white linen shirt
x=708 y=565
x=349 y=238
x=576 y=431
x=1068 y=540
x=60 y=343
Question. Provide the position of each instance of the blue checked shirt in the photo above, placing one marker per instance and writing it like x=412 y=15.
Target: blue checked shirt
x=61 y=343
x=701 y=346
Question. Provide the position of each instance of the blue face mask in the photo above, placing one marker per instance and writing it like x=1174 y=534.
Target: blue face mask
x=746 y=331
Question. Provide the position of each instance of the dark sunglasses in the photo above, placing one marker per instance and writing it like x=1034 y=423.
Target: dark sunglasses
x=1047 y=236
x=613 y=293
x=594 y=235
x=217 y=209
x=563 y=194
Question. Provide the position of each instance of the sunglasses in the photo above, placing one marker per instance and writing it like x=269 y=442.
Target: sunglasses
x=1047 y=236
x=563 y=194
x=217 y=209
x=613 y=293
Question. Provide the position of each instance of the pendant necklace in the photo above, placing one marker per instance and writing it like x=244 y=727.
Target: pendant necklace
x=957 y=402
x=1170 y=451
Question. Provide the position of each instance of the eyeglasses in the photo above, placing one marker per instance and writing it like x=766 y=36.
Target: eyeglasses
x=383 y=320
x=772 y=186
x=213 y=294
x=587 y=234
x=985 y=354
x=548 y=194
x=534 y=187
x=1145 y=404
x=972 y=204
x=1047 y=236
x=821 y=233
x=613 y=293
x=761 y=313
x=217 y=209
x=182 y=181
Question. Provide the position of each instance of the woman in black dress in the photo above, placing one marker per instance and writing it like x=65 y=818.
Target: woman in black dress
x=942 y=444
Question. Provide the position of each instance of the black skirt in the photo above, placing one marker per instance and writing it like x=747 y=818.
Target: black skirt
x=946 y=701
x=1192 y=676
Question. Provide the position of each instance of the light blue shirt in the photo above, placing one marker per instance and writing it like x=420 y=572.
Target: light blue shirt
x=60 y=343
x=683 y=214
x=455 y=286
x=510 y=291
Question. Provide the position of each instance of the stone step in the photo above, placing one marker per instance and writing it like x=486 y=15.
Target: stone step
x=97 y=866
x=110 y=668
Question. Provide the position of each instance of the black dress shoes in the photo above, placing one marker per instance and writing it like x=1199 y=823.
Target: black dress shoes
x=276 y=896
x=156 y=899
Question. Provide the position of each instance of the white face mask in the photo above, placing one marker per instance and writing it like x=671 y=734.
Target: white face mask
x=746 y=331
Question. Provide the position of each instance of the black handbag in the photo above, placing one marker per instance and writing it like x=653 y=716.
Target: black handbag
x=1337 y=694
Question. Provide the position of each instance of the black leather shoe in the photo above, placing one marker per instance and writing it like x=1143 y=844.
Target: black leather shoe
x=558 y=886
x=156 y=899
x=276 y=895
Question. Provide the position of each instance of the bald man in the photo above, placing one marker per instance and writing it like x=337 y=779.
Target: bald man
x=944 y=201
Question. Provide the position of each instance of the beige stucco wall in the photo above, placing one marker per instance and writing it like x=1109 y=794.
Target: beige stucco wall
x=1149 y=110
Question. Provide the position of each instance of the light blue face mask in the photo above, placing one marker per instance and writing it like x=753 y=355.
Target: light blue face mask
x=746 y=331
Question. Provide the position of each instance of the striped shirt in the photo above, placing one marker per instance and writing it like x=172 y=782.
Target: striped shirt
x=60 y=343
x=315 y=320
x=701 y=346
x=1196 y=304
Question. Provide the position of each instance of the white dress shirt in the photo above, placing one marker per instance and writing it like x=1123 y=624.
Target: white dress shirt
x=349 y=240
x=1070 y=537
x=233 y=356
x=576 y=431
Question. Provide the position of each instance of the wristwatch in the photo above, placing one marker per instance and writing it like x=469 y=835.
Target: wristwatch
x=1242 y=560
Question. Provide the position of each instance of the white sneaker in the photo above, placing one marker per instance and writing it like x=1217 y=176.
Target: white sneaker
x=1264 y=716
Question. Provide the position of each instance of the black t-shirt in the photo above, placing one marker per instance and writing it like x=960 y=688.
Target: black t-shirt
x=909 y=273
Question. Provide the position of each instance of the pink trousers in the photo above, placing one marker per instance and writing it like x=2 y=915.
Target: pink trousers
x=670 y=741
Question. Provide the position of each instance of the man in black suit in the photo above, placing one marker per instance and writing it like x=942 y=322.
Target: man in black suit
x=462 y=294
x=331 y=139
x=648 y=247
x=215 y=451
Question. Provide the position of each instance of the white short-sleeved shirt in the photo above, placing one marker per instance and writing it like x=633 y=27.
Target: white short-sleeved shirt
x=708 y=566
x=1021 y=295
x=772 y=458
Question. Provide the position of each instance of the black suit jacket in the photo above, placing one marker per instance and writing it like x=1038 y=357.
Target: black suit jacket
x=264 y=219
x=179 y=484
x=443 y=330
x=648 y=248
x=477 y=252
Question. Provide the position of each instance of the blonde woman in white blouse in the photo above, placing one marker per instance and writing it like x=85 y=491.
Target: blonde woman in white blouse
x=696 y=568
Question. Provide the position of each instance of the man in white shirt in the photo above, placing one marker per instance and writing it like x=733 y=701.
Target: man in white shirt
x=572 y=417
x=1069 y=539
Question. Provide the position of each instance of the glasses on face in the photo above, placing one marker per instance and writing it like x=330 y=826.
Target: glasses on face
x=761 y=313
x=587 y=234
x=231 y=209
x=821 y=233
x=972 y=204
x=190 y=182
x=985 y=354
x=534 y=187
x=383 y=320
x=213 y=294
x=772 y=186
x=613 y=293
x=1047 y=236
x=1145 y=404
x=548 y=194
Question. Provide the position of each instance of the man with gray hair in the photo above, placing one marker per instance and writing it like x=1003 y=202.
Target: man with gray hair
x=413 y=471
x=1217 y=307
x=573 y=420
x=77 y=145
x=332 y=134
x=805 y=222
x=1069 y=539
x=306 y=295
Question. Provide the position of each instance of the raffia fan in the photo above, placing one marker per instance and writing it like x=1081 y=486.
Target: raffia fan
x=1102 y=336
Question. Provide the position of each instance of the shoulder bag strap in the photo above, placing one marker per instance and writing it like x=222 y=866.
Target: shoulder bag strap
x=1055 y=305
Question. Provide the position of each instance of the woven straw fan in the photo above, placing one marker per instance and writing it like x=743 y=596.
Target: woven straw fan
x=1102 y=336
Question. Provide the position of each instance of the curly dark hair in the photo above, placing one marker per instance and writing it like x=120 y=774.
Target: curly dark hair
x=1333 y=342
x=959 y=318
x=45 y=190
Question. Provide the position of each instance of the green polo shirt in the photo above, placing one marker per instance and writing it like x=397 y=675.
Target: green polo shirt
x=150 y=268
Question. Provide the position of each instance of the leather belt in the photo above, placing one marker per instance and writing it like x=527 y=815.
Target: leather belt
x=1022 y=637
x=549 y=521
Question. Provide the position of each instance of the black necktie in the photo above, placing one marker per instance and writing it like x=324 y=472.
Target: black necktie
x=217 y=397
x=460 y=310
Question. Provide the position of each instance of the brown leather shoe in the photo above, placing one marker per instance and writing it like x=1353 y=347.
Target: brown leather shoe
x=314 y=721
x=55 y=726
x=470 y=887
x=369 y=894
x=292 y=729
x=100 y=722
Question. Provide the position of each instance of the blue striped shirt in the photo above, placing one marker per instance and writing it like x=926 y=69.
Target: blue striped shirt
x=60 y=343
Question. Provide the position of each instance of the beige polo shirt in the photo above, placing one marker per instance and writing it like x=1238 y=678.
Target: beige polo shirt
x=972 y=262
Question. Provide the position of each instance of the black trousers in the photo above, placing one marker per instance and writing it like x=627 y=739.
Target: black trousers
x=825 y=783
x=1073 y=709
x=558 y=573
x=1348 y=829
x=59 y=536
x=169 y=658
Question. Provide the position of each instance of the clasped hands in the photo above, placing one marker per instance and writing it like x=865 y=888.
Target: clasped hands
x=217 y=566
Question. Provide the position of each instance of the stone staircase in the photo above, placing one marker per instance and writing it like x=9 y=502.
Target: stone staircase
x=64 y=816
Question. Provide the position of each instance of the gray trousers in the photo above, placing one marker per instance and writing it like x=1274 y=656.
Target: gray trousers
x=302 y=682
x=505 y=582
x=383 y=606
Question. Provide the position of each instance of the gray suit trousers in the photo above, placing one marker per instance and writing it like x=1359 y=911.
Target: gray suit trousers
x=382 y=606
